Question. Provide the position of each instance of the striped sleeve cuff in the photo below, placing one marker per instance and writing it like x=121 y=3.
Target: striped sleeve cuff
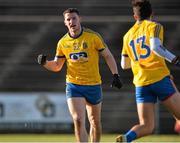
x=124 y=55
x=60 y=56
x=100 y=50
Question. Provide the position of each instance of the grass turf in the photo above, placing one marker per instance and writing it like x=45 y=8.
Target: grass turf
x=71 y=138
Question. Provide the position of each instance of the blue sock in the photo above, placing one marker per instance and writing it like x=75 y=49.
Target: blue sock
x=130 y=135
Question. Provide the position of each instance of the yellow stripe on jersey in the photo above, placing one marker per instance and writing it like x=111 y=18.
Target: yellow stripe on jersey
x=147 y=67
x=82 y=55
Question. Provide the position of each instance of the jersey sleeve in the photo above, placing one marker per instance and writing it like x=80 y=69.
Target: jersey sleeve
x=59 y=53
x=124 y=51
x=100 y=44
x=157 y=31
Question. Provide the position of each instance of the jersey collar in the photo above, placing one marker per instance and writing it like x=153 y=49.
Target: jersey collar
x=82 y=29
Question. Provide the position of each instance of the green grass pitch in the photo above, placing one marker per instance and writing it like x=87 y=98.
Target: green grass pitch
x=20 y=138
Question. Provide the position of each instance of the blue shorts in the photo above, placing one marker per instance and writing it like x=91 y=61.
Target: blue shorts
x=160 y=90
x=92 y=93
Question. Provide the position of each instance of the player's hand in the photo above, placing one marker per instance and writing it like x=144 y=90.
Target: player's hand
x=41 y=59
x=176 y=61
x=116 y=82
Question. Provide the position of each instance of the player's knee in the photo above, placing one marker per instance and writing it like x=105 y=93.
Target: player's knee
x=78 y=120
x=94 y=122
x=149 y=128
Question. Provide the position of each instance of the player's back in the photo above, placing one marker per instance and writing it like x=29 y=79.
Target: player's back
x=147 y=67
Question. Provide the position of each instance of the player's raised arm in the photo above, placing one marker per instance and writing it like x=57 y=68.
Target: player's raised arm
x=53 y=65
x=157 y=47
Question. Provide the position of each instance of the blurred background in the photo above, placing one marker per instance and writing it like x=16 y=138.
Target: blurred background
x=32 y=99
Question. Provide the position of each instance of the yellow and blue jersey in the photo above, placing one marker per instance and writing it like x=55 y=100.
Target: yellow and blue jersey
x=147 y=67
x=82 y=57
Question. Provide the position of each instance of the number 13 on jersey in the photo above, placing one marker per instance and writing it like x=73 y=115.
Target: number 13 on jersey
x=141 y=40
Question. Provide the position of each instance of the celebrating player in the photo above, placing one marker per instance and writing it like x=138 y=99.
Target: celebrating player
x=80 y=48
x=144 y=53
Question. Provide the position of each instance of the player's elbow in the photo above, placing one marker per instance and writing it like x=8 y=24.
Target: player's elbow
x=58 y=64
x=57 y=68
x=53 y=66
x=53 y=69
x=155 y=43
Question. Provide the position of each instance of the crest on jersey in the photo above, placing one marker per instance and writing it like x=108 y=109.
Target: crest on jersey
x=76 y=46
x=85 y=45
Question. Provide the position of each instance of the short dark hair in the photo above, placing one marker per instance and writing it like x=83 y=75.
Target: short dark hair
x=142 y=8
x=71 y=10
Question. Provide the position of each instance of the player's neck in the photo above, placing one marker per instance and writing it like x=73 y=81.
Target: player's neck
x=140 y=21
x=75 y=34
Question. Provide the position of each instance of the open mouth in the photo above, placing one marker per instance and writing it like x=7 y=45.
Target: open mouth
x=73 y=26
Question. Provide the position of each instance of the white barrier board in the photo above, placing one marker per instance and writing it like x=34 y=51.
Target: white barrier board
x=34 y=107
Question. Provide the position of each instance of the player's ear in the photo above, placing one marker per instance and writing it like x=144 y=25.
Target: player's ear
x=65 y=23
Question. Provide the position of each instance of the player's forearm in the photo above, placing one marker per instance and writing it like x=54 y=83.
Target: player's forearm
x=52 y=66
x=110 y=60
x=111 y=64
x=156 y=47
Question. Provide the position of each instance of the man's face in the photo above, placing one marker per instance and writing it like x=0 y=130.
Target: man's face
x=72 y=21
x=136 y=13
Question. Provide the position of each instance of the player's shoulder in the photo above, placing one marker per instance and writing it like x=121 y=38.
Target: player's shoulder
x=129 y=31
x=63 y=39
x=91 y=32
x=154 y=23
x=65 y=36
x=88 y=30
